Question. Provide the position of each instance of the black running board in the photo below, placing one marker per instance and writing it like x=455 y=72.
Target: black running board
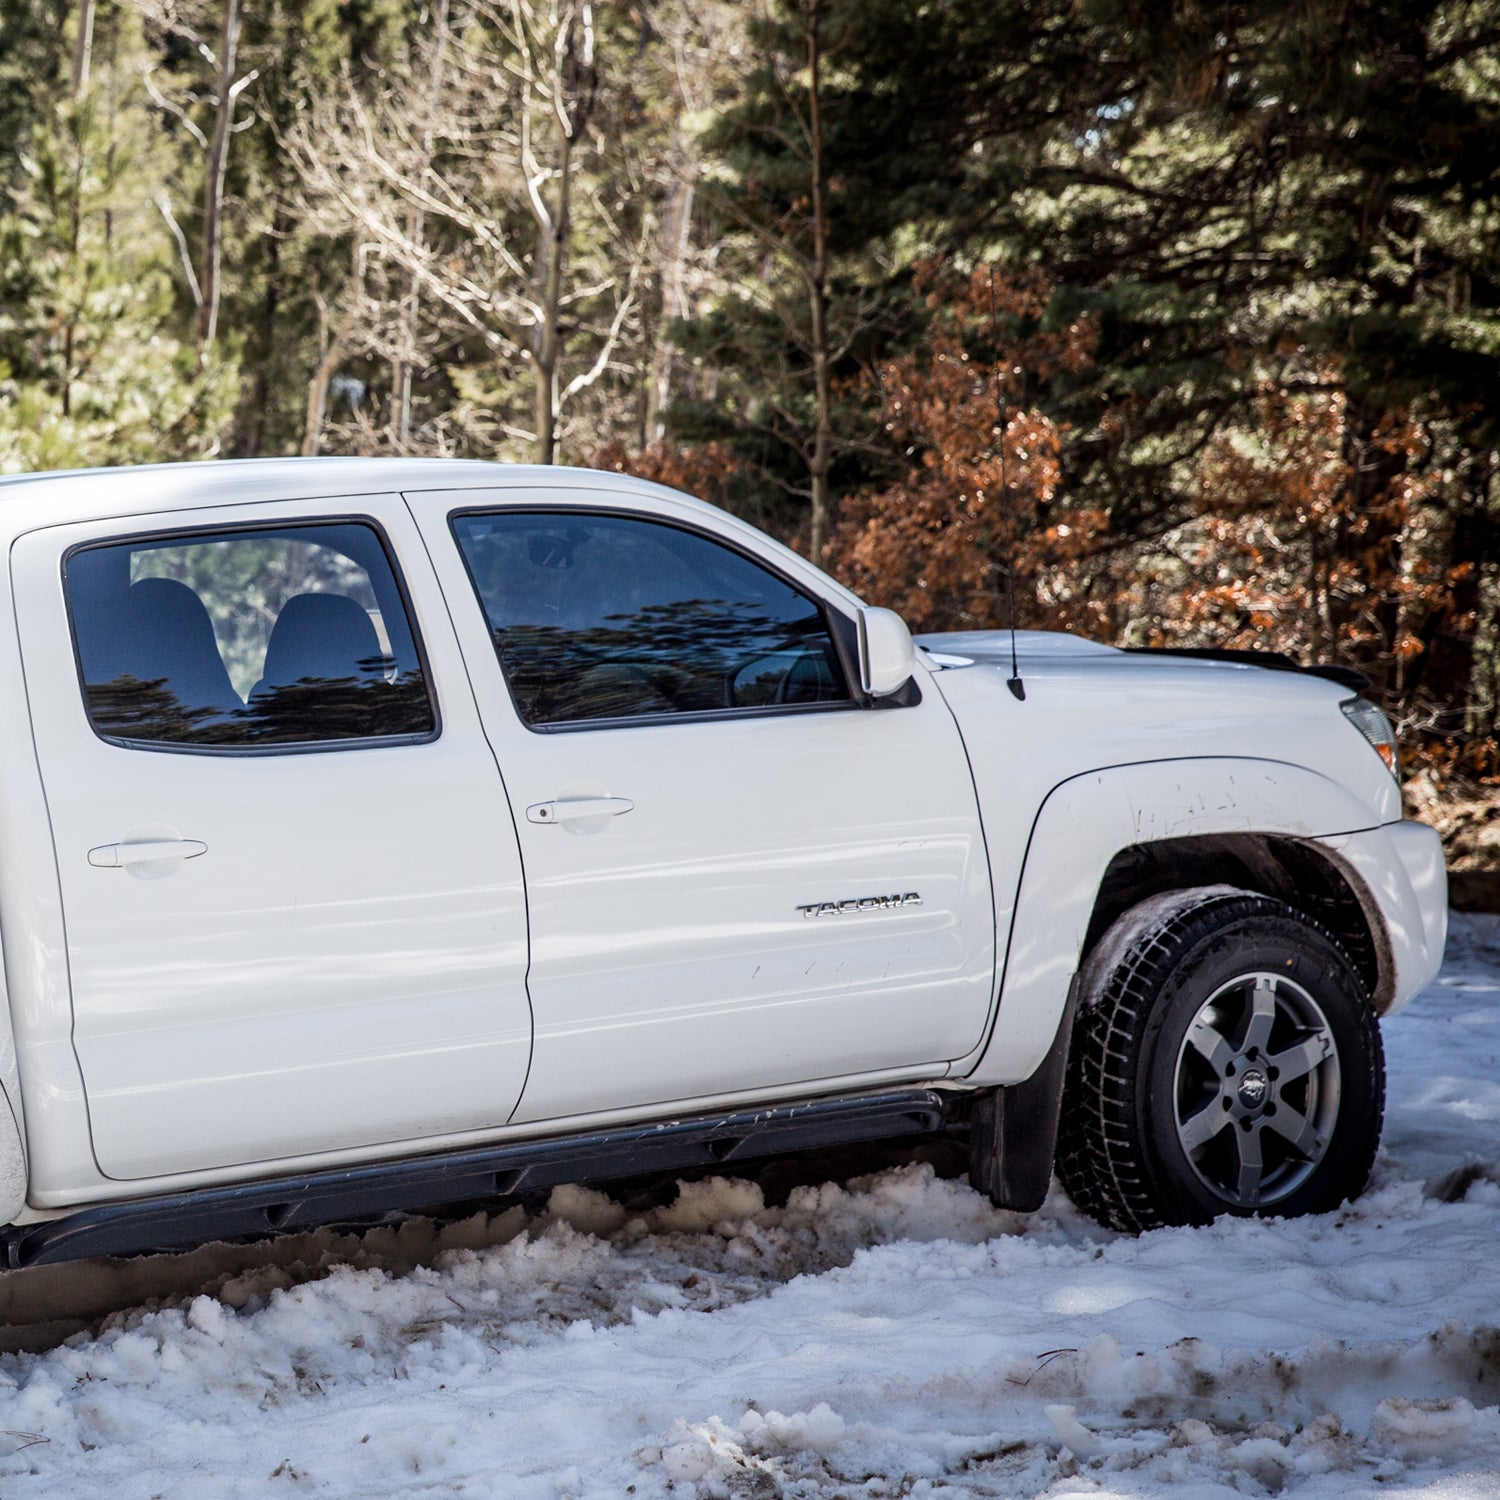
x=282 y=1205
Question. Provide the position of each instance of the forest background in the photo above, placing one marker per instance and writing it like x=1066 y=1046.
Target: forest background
x=1172 y=324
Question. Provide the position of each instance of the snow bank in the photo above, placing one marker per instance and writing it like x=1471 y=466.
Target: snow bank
x=895 y=1336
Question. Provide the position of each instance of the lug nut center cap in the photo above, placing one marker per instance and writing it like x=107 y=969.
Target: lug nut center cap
x=1254 y=1086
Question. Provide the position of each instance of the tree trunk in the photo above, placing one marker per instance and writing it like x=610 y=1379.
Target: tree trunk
x=331 y=349
x=547 y=349
x=674 y=247
x=404 y=365
x=317 y=399
x=83 y=50
x=254 y=436
x=822 y=455
x=1366 y=543
x=568 y=100
x=213 y=185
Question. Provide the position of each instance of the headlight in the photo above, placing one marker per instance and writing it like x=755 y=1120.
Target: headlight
x=1376 y=728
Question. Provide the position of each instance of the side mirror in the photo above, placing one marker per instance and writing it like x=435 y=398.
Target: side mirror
x=887 y=657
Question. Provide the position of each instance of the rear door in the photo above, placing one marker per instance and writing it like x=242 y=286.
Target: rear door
x=295 y=916
x=738 y=879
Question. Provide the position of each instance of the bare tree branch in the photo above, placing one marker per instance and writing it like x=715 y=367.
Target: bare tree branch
x=164 y=205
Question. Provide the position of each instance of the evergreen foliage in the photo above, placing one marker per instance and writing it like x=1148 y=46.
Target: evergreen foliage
x=715 y=242
x=33 y=57
x=91 y=370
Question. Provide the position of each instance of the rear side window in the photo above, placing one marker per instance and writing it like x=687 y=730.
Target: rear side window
x=616 y=617
x=247 y=639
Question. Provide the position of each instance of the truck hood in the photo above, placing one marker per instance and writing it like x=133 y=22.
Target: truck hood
x=1090 y=706
x=1047 y=650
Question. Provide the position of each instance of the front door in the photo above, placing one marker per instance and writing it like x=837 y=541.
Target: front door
x=738 y=879
x=295 y=917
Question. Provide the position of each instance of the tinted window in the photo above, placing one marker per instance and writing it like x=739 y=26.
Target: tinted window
x=243 y=639
x=609 y=617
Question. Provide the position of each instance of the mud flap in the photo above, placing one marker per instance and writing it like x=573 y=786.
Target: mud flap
x=1013 y=1130
x=12 y=1161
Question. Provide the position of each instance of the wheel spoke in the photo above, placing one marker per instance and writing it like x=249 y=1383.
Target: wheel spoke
x=1252 y=1164
x=1298 y=1131
x=1211 y=1044
x=1197 y=1132
x=1262 y=1014
x=1299 y=1060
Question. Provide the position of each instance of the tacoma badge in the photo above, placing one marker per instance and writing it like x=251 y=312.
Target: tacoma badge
x=859 y=903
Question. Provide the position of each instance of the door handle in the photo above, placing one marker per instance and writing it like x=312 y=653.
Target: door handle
x=116 y=856
x=570 y=809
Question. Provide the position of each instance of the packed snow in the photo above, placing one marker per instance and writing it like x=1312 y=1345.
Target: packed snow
x=891 y=1336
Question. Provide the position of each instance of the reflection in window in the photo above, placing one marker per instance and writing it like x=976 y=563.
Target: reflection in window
x=247 y=638
x=611 y=617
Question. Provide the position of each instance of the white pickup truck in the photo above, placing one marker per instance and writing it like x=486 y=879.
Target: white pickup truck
x=377 y=835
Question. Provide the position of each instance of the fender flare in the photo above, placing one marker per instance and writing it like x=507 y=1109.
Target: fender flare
x=1082 y=824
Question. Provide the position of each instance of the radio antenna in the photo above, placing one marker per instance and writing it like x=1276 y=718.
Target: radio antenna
x=1013 y=682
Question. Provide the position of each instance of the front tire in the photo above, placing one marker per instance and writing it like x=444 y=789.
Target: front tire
x=1227 y=1059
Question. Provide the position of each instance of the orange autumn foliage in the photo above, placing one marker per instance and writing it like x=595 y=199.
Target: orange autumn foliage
x=1316 y=528
x=937 y=545
x=706 y=471
x=1314 y=536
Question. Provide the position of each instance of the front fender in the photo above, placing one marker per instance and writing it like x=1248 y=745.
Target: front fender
x=1080 y=827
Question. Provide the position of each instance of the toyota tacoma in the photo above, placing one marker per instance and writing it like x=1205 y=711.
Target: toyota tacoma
x=378 y=835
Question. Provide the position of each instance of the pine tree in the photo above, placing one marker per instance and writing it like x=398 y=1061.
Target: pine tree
x=1259 y=207
x=287 y=285
x=89 y=370
x=797 y=306
x=33 y=57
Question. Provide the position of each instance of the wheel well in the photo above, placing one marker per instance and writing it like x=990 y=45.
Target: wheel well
x=1291 y=870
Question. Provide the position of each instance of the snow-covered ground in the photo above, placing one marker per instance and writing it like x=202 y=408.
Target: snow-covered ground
x=891 y=1337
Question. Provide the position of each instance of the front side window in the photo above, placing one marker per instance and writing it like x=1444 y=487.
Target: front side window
x=247 y=639
x=613 y=617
